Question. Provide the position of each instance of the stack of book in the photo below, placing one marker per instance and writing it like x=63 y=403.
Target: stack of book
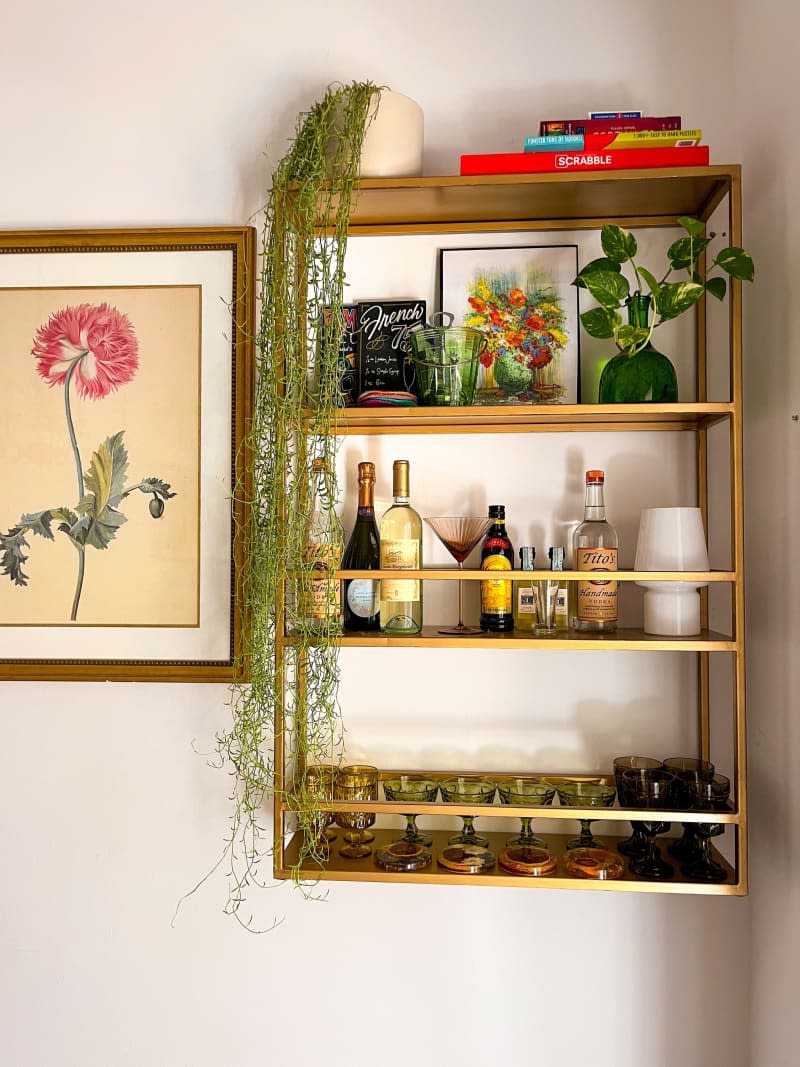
x=605 y=141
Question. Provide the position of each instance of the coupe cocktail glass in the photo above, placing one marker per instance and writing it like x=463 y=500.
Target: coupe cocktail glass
x=465 y=790
x=459 y=534
x=586 y=795
x=651 y=789
x=407 y=787
x=527 y=793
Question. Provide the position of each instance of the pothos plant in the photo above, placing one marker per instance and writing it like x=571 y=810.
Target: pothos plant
x=302 y=275
x=612 y=290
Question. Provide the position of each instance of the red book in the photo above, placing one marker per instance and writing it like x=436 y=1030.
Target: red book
x=670 y=122
x=610 y=159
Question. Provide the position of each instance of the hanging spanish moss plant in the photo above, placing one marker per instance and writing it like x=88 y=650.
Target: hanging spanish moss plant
x=301 y=275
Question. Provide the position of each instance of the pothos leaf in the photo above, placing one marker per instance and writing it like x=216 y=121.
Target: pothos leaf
x=692 y=226
x=618 y=244
x=600 y=322
x=595 y=265
x=717 y=287
x=675 y=298
x=105 y=482
x=607 y=287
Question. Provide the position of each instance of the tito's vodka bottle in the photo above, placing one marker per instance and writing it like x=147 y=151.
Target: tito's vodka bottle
x=594 y=548
x=401 y=549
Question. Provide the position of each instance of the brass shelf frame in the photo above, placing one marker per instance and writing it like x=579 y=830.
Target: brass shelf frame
x=636 y=198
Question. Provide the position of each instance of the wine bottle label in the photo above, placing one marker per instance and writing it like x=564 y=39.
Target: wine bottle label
x=400 y=554
x=525 y=601
x=318 y=600
x=596 y=599
x=496 y=594
x=363 y=597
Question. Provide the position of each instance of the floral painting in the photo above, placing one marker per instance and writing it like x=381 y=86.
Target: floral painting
x=96 y=375
x=522 y=300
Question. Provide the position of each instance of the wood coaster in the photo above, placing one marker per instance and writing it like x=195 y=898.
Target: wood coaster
x=403 y=856
x=593 y=863
x=466 y=859
x=527 y=860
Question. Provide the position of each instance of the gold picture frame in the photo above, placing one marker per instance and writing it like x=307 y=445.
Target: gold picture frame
x=127 y=372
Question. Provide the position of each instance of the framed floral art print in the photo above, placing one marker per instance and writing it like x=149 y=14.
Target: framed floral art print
x=522 y=299
x=126 y=376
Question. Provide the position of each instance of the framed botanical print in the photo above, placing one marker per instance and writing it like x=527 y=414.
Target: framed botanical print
x=126 y=376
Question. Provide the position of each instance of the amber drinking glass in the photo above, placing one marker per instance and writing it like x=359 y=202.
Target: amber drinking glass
x=414 y=790
x=527 y=793
x=635 y=846
x=464 y=790
x=356 y=782
x=318 y=784
x=586 y=795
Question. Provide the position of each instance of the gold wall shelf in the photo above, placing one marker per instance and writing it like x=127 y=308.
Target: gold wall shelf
x=498 y=203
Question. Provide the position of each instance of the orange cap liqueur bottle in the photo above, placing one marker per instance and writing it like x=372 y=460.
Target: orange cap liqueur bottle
x=595 y=549
x=362 y=607
x=497 y=554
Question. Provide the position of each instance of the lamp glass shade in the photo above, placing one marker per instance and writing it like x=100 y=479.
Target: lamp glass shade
x=671 y=539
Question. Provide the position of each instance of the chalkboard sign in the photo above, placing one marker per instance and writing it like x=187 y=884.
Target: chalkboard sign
x=383 y=345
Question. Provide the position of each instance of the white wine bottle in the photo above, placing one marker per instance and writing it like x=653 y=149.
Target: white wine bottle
x=594 y=548
x=401 y=549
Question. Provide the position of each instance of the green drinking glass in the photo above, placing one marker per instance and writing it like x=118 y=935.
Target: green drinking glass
x=468 y=790
x=407 y=788
x=528 y=793
x=586 y=795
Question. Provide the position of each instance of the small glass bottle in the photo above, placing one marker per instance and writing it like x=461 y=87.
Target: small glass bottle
x=317 y=598
x=361 y=596
x=497 y=554
x=594 y=547
x=556 y=555
x=524 y=607
x=401 y=549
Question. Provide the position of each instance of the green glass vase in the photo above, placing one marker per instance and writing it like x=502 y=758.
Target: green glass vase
x=646 y=377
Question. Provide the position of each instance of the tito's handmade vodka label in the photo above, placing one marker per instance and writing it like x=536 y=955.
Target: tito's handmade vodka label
x=597 y=598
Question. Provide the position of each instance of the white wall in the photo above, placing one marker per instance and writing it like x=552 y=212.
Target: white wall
x=161 y=113
x=768 y=89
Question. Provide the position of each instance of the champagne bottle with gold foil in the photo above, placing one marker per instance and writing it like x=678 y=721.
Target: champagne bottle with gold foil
x=497 y=554
x=361 y=596
x=401 y=549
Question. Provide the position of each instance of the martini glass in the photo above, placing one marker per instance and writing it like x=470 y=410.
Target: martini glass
x=459 y=534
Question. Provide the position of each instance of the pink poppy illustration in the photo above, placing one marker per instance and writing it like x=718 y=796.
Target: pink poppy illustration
x=94 y=348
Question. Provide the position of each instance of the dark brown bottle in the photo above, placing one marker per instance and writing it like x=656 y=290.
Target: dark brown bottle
x=497 y=554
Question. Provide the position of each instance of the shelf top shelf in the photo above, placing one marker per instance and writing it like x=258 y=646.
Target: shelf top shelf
x=583 y=200
x=526 y=418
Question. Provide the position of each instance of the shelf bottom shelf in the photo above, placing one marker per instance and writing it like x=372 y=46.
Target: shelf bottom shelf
x=338 y=868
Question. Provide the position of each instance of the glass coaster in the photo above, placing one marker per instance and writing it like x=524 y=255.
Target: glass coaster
x=593 y=863
x=403 y=856
x=527 y=860
x=466 y=859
